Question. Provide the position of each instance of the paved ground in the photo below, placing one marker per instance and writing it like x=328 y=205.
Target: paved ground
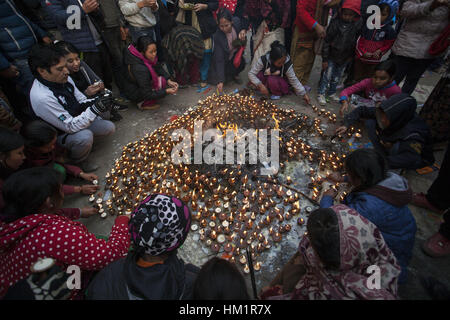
x=137 y=123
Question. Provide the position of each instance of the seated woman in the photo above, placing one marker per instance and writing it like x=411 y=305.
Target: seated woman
x=12 y=157
x=85 y=78
x=337 y=252
x=145 y=80
x=382 y=197
x=41 y=150
x=158 y=227
x=396 y=131
x=274 y=72
x=34 y=196
x=219 y=279
x=226 y=43
x=375 y=90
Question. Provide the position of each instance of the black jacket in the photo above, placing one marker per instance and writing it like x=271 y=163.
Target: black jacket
x=408 y=133
x=138 y=82
x=221 y=52
x=167 y=16
x=208 y=24
x=125 y=280
x=340 y=41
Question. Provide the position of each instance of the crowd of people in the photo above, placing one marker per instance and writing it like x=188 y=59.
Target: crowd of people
x=65 y=76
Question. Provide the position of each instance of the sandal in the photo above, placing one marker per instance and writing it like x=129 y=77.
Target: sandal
x=437 y=246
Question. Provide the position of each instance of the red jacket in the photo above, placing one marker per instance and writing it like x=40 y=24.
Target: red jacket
x=52 y=236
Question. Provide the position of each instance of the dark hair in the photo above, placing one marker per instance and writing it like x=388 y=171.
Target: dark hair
x=323 y=230
x=44 y=56
x=143 y=42
x=225 y=14
x=383 y=6
x=9 y=140
x=388 y=66
x=66 y=47
x=368 y=165
x=277 y=51
x=25 y=191
x=38 y=133
x=219 y=279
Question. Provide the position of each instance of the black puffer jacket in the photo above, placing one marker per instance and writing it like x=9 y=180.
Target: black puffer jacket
x=138 y=82
x=340 y=41
x=125 y=280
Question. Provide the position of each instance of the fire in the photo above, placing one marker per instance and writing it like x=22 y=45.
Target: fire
x=277 y=127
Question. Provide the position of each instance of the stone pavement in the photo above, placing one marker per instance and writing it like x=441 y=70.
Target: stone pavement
x=136 y=124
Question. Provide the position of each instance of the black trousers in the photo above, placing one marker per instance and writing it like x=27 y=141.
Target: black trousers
x=411 y=70
x=100 y=63
x=439 y=193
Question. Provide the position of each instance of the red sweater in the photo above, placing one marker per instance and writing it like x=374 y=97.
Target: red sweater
x=51 y=236
x=306 y=10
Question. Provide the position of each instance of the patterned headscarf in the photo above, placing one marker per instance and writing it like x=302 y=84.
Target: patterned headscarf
x=361 y=245
x=160 y=224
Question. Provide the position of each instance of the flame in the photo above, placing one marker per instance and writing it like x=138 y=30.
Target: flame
x=277 y=127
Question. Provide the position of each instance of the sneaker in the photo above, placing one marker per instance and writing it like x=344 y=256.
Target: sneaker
x=334 y=97
x=87 y=166
x=437 y=246
x=321 y=99
x=420 y=200
x=274 y=97
x=150 y=107
x=120 y=104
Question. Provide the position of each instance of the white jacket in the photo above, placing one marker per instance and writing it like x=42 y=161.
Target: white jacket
x=420 y=28
x=140 y=18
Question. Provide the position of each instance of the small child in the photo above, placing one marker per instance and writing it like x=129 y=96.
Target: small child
x=374 y=43
x=273 y=73
x=219 y=279
x=40 y=150
x=338 y=48
x=376 y=89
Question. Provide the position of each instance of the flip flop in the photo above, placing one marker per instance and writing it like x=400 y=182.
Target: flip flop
x=202 y=89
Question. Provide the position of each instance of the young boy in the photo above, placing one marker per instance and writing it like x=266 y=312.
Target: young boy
x=338 y=48
x=374 y=43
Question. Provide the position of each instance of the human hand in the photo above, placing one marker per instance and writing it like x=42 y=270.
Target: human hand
x=123 y=33
x=93 y=89
x=88 y=189
x=332 y=192
x=335 y=177
x=90 y=5
x=11 y=72
x=341 y=130
x=263 y=89
x=343 y=108
x=306 y=98
x=320 y=31
x=367 y=55
x=88 y=211
x=88 y=176
x=171 y=90
x=172 y=84
x=324 y=66
x=200 y=6
x=267 y=72
x=377 y=54
x=47 y=40
x=220 y=87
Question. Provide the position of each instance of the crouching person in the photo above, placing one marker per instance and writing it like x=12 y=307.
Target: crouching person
x=56 y=100
x=153 y=271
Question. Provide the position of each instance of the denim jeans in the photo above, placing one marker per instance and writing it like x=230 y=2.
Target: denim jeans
x=136 y=32
x=331 y=77
x=25 y=79
x=80 y=143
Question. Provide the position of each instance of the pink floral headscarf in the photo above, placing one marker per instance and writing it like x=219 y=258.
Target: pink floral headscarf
x=362 y=245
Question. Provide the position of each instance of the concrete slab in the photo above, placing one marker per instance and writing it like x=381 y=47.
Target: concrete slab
x=136 y=124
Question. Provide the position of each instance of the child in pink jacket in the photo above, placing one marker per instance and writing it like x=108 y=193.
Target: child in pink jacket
x=375 y=90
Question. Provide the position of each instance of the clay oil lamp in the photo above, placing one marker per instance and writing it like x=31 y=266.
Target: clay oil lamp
x=287 y=227
x=300 y=221
x=277 y=237
x=228 y=247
